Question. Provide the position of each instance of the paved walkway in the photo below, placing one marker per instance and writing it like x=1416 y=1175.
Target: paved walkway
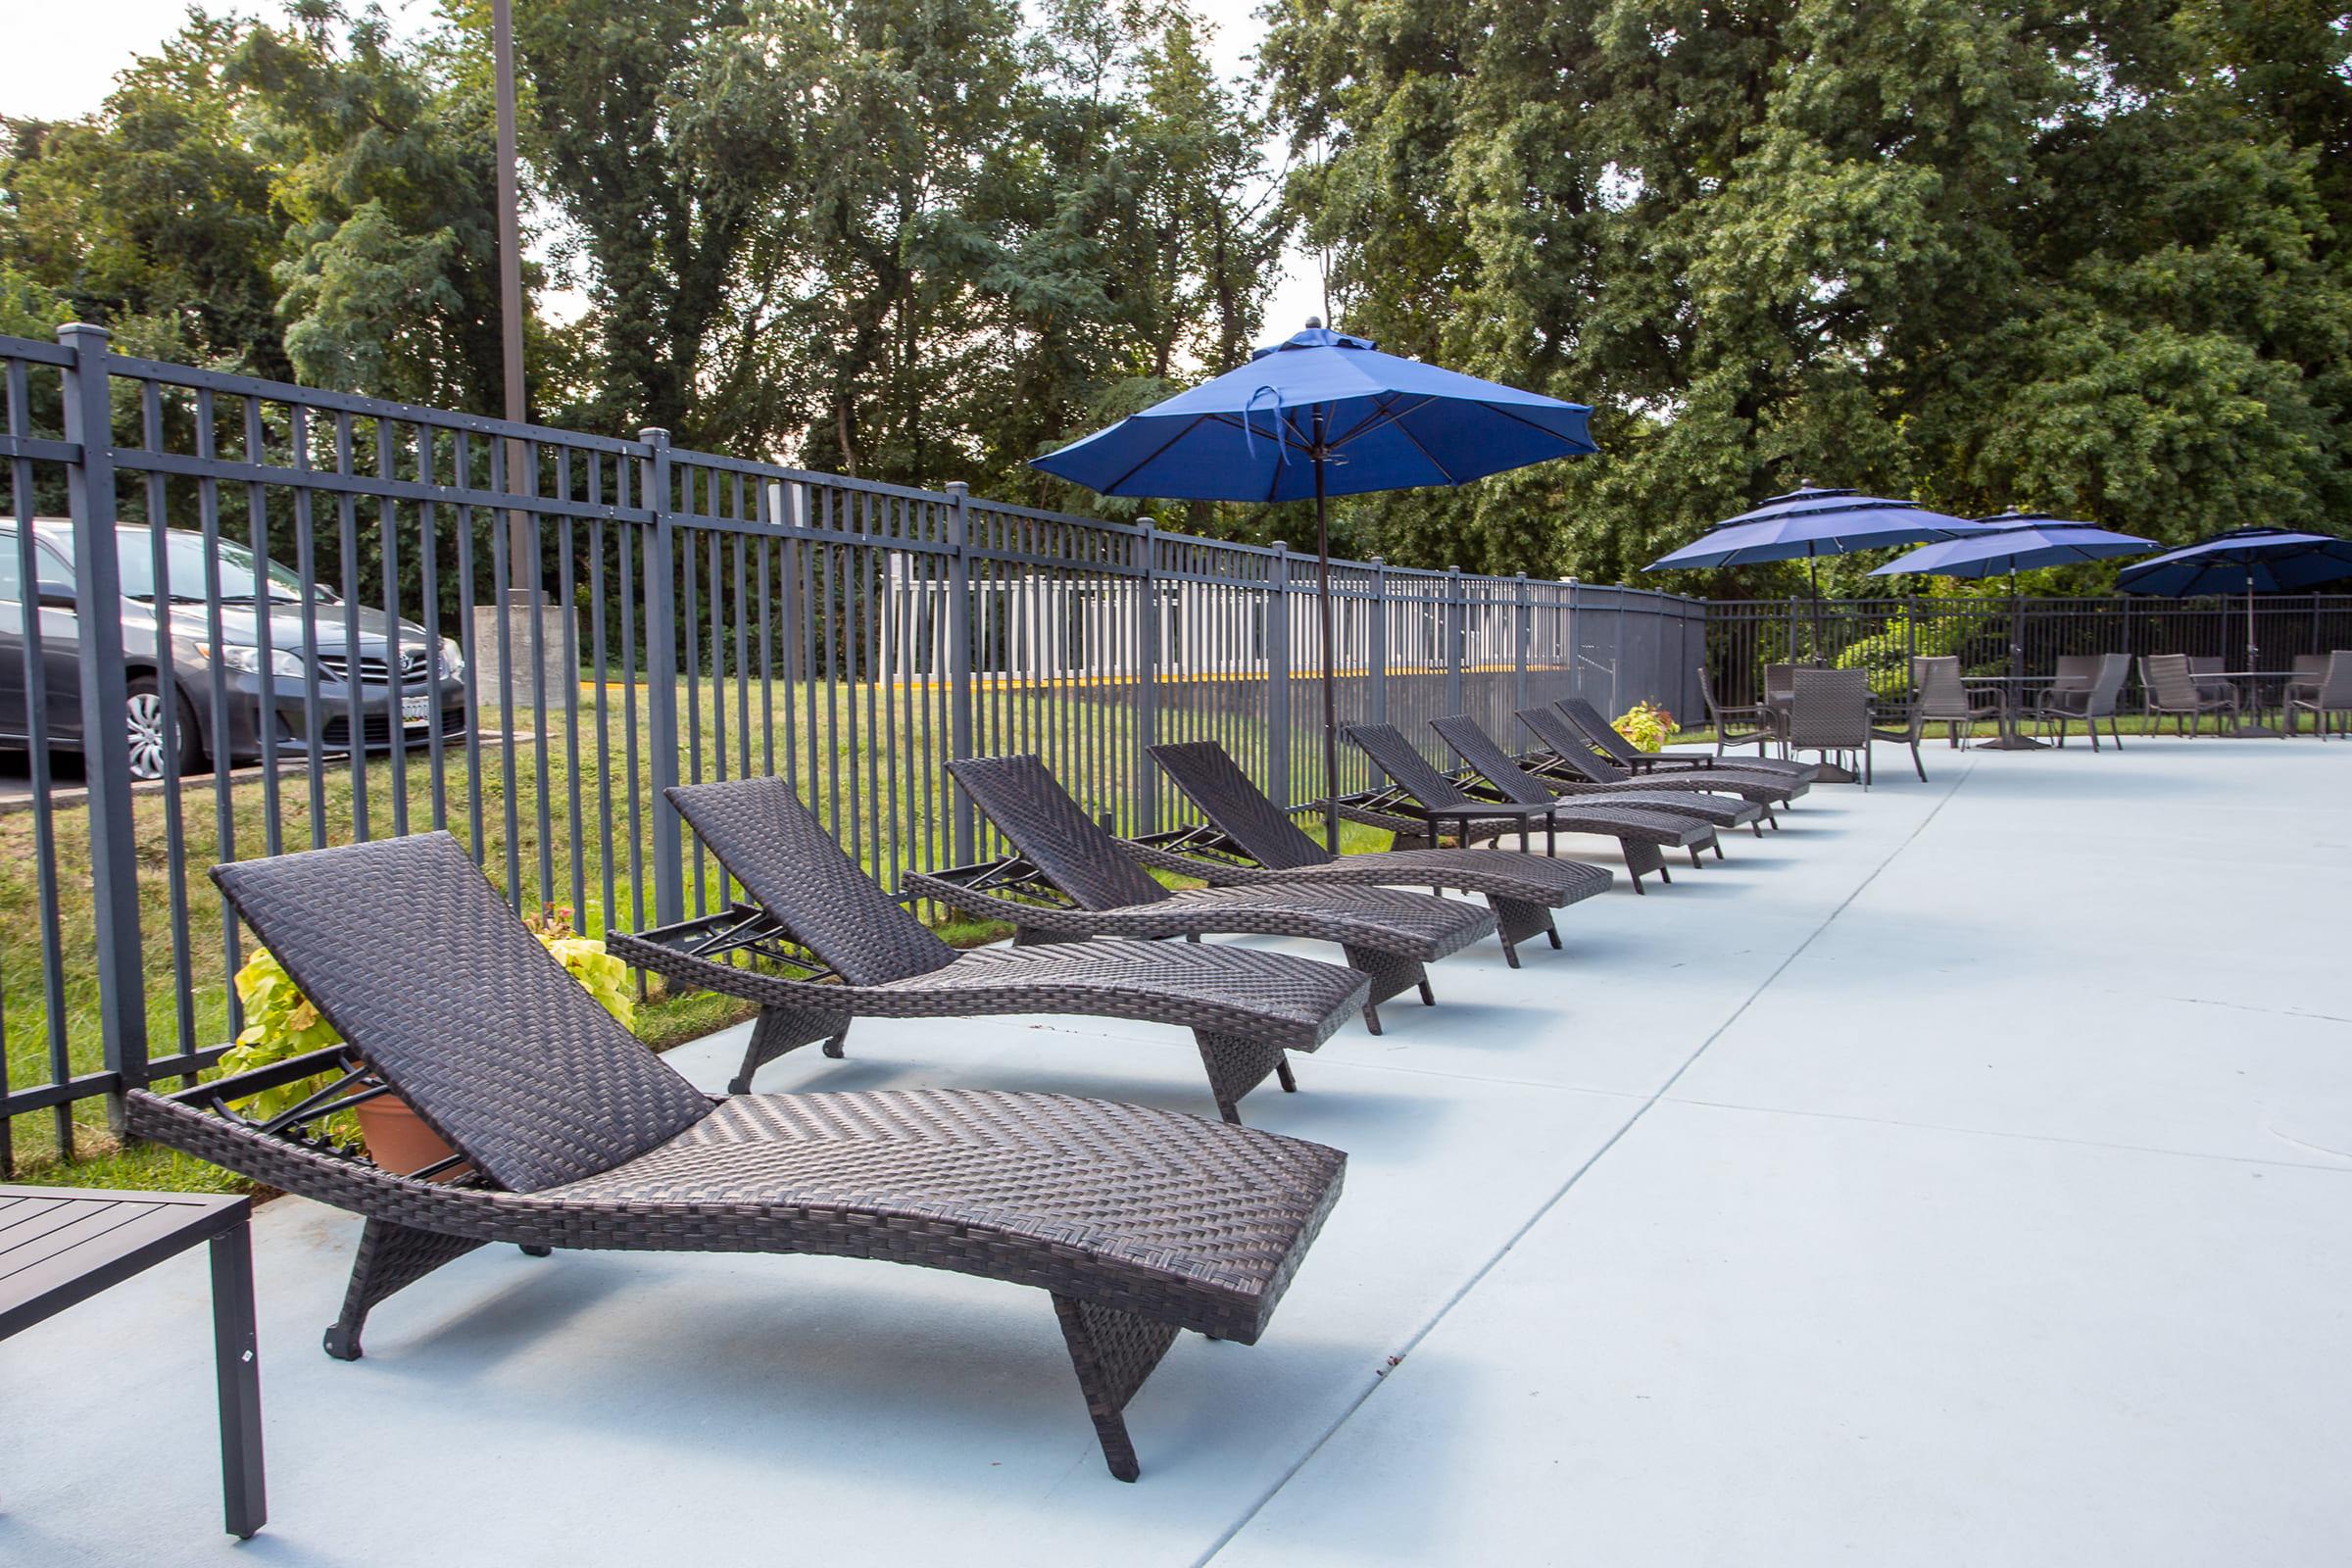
x=1962 y=1176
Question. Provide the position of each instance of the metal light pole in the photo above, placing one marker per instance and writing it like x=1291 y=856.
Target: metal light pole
x=509 y=294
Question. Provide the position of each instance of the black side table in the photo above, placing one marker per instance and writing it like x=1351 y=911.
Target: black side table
x=61 y=1245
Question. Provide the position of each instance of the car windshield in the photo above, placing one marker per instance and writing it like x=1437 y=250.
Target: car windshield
x=184 y=555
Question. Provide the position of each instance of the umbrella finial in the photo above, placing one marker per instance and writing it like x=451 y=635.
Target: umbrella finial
x=1314 y=323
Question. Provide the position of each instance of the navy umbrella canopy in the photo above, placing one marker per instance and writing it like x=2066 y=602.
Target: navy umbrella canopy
x=1322 y=415
x=2243 y=561
x=1810 y=523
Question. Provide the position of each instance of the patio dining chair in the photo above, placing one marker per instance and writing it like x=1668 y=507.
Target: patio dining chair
x=2206 y=670
x=1426 y=800
x=2309 y=670
x=1736 y=724
x=1945 y=698
x=2086 y=704
x=2174 y=691
x=1099 y=889
x=1139 y=1223
x=1829 y=712
x=2330 y=702
x=1250 y=840
x=1602 y=737
x=1484 y=755
x=861 y=953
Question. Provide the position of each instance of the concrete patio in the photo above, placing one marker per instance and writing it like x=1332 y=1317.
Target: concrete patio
x=1963 y=1175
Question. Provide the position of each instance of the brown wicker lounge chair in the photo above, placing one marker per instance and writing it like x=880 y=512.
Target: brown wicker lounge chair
x=1139 y=1222
x=1100 y=890
x=1568 y=756
x=856 y=953
x=2328 y=702
x=1426 y=801
x=1617 y=749
x=1830 y=713
x=2174 y=690
x=1248 y=838
x=2087 y=702
x=1484 y=755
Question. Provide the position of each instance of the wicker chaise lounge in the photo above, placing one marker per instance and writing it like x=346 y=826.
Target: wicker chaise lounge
x=863 y=954
x=1250 y=839
x=1484 y=755
x=1570 y=761
x=1388 y=935
x=1140 y=1223
x=1431 y=802
x=1606 y=740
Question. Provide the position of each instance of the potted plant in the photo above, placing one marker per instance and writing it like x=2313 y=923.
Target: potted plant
x=281 y=1023
x=1645 y=725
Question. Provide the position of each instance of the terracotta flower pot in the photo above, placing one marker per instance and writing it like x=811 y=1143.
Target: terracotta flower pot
x=400 y=1142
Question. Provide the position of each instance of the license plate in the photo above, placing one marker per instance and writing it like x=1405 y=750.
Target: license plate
x=414 y=709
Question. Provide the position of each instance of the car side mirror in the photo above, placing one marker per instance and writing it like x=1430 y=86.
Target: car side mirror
x=56 y=596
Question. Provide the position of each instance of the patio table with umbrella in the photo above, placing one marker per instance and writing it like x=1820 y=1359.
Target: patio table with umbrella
x=2248 y=561
x=2012 y=542
x=1322 y=415
x=1807 y=523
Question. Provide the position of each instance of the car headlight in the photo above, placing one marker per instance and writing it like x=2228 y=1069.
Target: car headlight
x=238 y=656
x=452 y=661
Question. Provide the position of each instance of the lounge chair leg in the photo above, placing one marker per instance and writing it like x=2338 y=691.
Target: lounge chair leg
x=1371 y=1019
x=1510 y=954
x=1284 y=1078
x=1515 y=920
x=1428 y=998
x=391 y=1257
x=1112 y=1353
x=528 y=1250
x=1237 y=1064
x=782 y=1029
x=1392 y=975
x=1695 y=862
x=1640 y=858
x=1554 y=932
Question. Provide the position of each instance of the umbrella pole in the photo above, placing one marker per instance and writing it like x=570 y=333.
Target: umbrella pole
x=2013 y=737
x=2252 y=694
x=1813 y=578
x=1331 y=699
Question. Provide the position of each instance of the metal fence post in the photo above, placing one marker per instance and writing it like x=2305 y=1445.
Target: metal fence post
x=1454 y=639
x=662 y=681
x=1278 y=674
x=1522 y=626
x=1144 y=786
x=964 y=828
x=106 y=740
x=1377 y=641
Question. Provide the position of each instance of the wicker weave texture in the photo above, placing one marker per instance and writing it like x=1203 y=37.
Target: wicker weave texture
x=782 y=854
x=411 y=953
x=1214 y=782
x=1053 y=832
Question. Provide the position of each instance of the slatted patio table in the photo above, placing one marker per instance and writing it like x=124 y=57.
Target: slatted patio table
x=58 y=1247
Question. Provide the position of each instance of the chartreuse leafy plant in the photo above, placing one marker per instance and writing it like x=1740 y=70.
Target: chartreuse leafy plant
x=281 y=1023
x=1646 y=726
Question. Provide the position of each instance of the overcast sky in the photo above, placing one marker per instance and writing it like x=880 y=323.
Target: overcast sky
x=61 y=60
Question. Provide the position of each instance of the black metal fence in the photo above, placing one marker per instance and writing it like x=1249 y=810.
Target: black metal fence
x=570 y=623
x=1883 y=635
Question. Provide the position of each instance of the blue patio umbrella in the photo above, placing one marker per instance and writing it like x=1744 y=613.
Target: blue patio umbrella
x=1323 y=415
x=2015 y=542
x=2243 y=561
x=1810 y=523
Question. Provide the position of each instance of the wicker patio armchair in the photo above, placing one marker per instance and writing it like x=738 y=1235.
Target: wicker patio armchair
x=1605 y=739
x=1736 y=724
x=2088 y=703
x=1484 y=757
x=1102 y=891
x=2331 y=699
x=1248 y=838
x=2206 y=670
x=2309 y=670
x=1568 y=753
x=2174 y=691
x=863 y=954
x=1140 y=1223
x=1830 y=713
x=1945 y=698
x=2076 y=673
x=1427 y=800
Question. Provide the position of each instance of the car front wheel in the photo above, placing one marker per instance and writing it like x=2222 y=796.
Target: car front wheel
x=143 y=710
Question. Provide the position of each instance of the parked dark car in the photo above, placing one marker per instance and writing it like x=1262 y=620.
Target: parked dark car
x=271 y=695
